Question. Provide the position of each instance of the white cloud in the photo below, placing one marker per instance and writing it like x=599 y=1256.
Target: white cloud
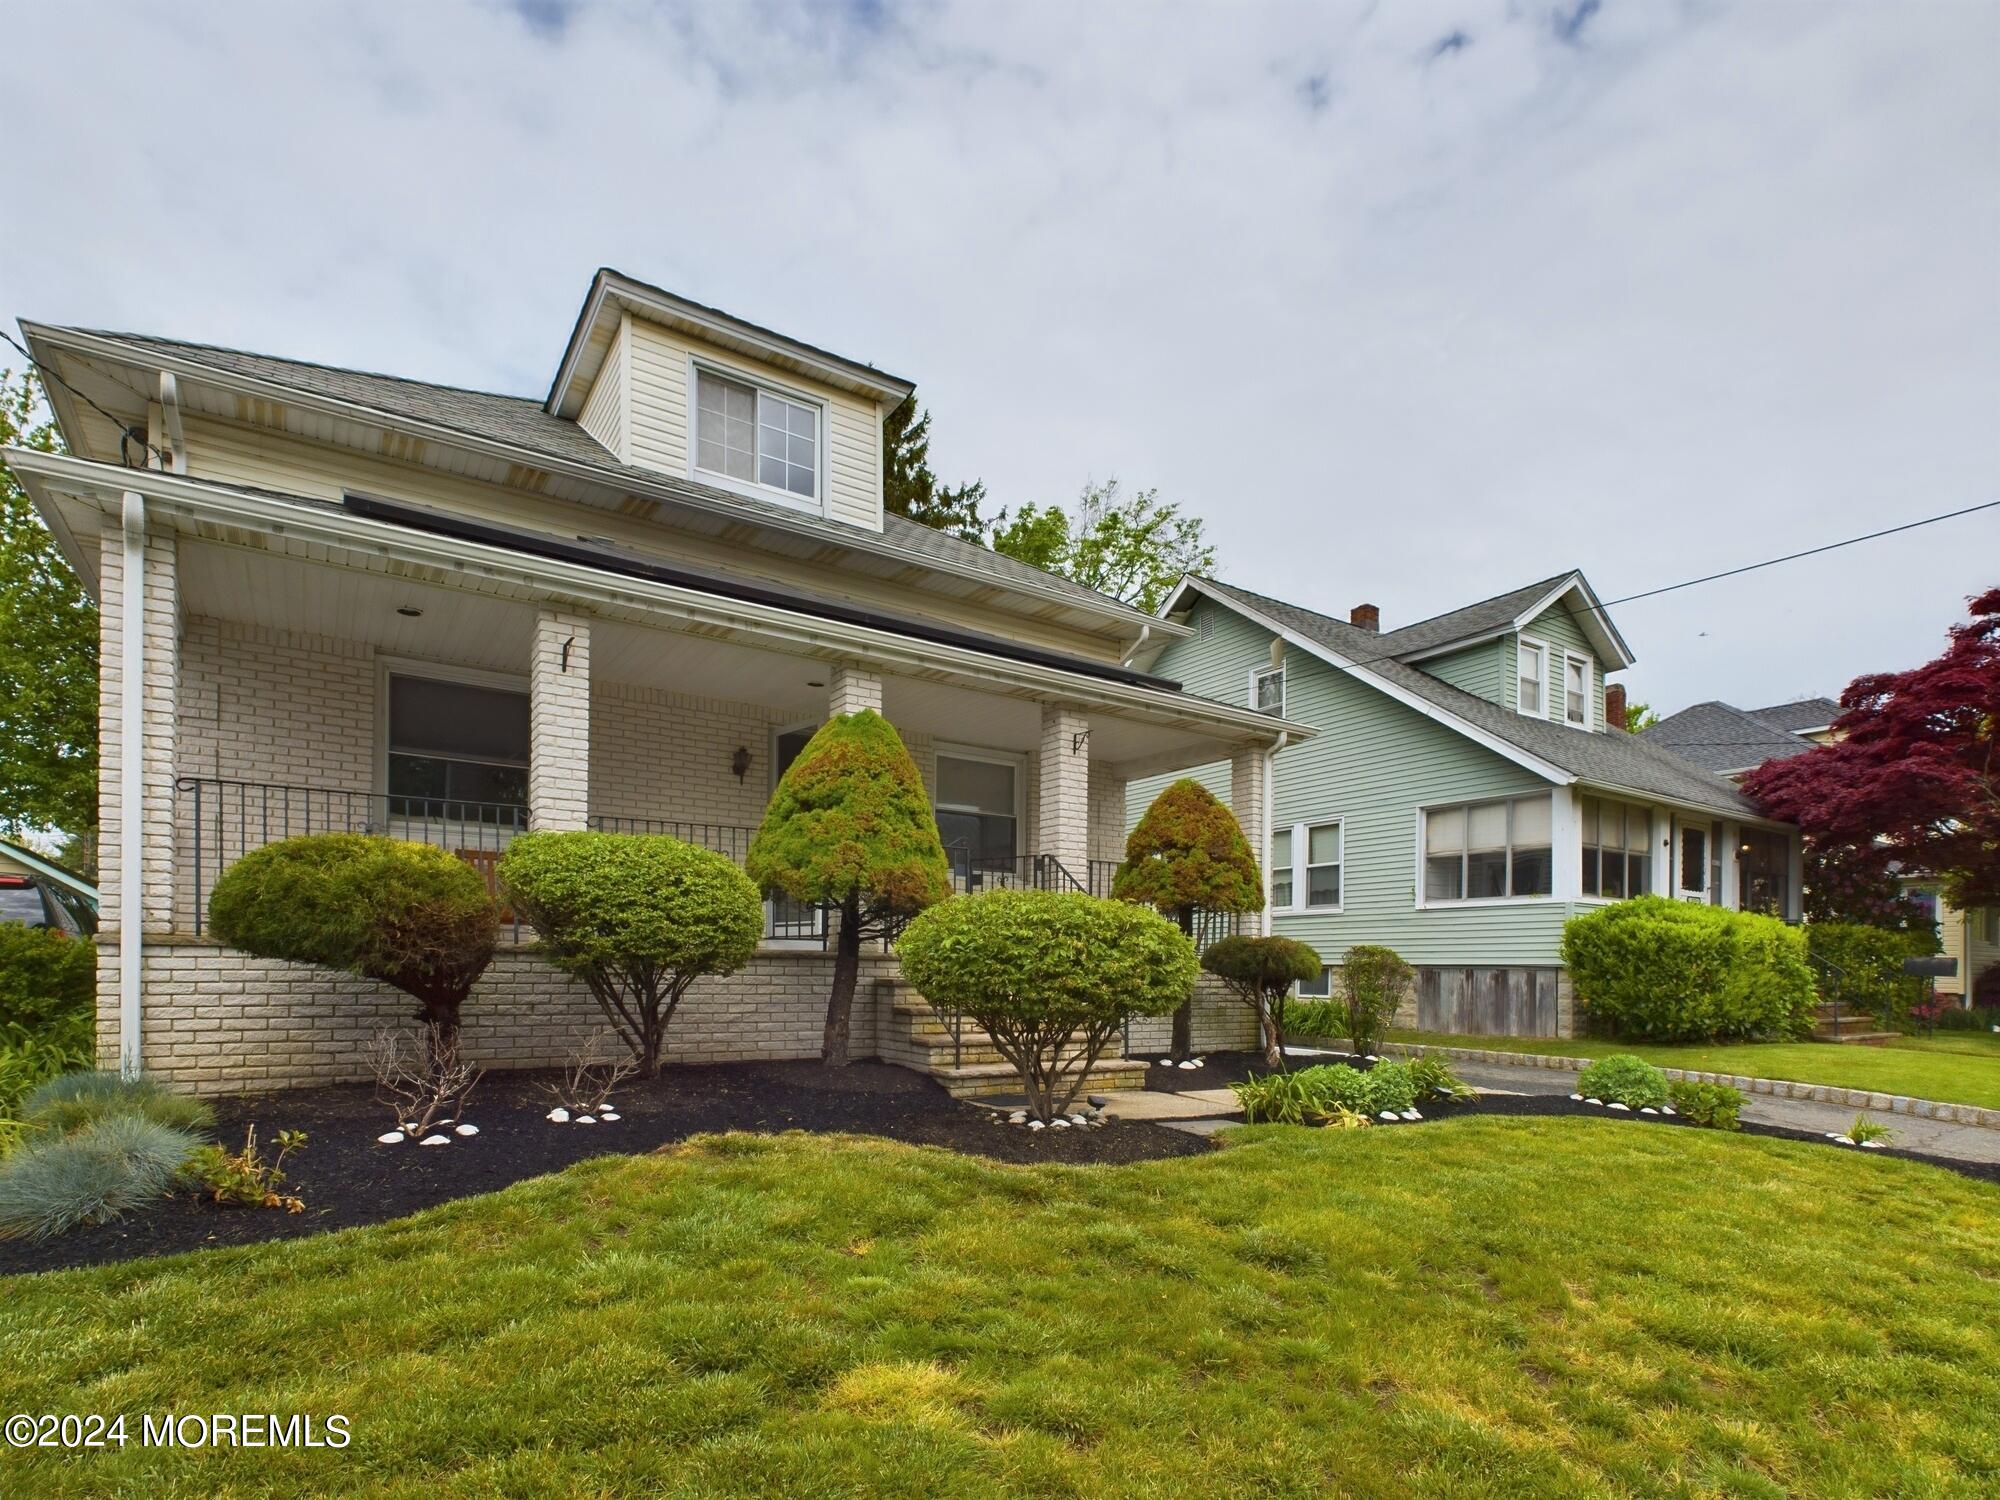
x=1698 y=286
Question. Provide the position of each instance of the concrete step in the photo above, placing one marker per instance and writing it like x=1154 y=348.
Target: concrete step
x=1861 y=1038
x=933 y=1052
x=999 y=1080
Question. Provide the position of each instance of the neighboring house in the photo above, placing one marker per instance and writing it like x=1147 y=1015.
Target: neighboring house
x=334 y=599
x=1470 y=789
x=1735 y=741
x=28 y=880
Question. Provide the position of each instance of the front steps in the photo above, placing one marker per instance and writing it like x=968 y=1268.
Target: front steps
x=1855 y=1028
x=914 y=1036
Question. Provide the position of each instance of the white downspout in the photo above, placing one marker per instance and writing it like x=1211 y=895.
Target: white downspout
x=1270 y=815
x=132 y=785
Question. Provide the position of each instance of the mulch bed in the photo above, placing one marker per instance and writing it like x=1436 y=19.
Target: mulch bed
x=347 y=1179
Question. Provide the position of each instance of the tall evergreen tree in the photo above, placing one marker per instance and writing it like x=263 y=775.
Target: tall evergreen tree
x=910 y=488
x=48 y=650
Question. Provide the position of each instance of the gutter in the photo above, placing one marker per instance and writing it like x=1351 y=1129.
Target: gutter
x=132 y=785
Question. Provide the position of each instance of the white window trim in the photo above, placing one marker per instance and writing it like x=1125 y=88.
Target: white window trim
x=1257 y=675
x=1326 y=978
x=819 y=504
x=1589 y=690
x=1417 y=890
x=1302 y=865
x=400 y=666
x=1529 y=643
x=1014 y=758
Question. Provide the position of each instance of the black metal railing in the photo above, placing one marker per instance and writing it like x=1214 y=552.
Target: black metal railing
x=222 y=820
x=1013 y=872
x=785 y=920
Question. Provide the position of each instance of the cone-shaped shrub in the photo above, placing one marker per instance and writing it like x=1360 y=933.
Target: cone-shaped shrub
x=850 y=828
x=1260 y=971
x=413 y=917
x=1187 y=855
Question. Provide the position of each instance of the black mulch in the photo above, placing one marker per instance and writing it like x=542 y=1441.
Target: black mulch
x=1220 y=1069
x=347 y=1179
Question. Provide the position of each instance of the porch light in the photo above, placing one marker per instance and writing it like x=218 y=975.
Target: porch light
x=740 y=762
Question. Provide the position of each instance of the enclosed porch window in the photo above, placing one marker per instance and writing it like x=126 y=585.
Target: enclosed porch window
x=1617 y=849
x=454 y=744
x=1764 y=873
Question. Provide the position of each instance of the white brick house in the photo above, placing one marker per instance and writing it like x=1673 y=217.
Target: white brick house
x=332 y=599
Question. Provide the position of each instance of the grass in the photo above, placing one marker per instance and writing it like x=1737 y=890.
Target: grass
x=1960 y=1067
x=1485 y=1307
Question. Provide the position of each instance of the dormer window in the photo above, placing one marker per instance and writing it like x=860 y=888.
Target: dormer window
x=1534 y=676
x=1576 y=691
x=756 y=436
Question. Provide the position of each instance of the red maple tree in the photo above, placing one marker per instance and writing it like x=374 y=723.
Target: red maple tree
x=1914 y=780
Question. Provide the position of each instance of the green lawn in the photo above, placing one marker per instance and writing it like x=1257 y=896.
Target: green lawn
x=1958 y=1067
x=1485 y=1307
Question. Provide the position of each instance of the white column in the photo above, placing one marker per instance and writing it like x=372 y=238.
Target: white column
x=1566 y=845
x=1250 y=800
x=850 y=690
x=1064 y=768
x=1730 y=894
x=559 y=722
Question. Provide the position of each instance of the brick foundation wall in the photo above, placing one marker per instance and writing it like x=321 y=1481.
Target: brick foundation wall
x=1221 y=1023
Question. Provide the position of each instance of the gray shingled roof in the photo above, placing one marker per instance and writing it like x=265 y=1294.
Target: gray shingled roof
x=1604 y=759
x=1725 y=738
x=1805 y=713
x=1483 y=618
x=521 y=422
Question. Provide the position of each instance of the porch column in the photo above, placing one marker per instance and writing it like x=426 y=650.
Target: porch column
x=559 y=722
x=1731 y=893
x=151 y=632
x=850 y=690
x=1064 y=771
x=1250 y=800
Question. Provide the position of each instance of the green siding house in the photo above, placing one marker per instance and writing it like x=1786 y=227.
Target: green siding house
x=1470 y=788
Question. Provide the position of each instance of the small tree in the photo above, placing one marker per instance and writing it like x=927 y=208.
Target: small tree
x=1051 y=976
x=415 y=918
x=1188 y=855
x=637 y=917
x=1260 y=971
x=850 y=828
x=1373 y=982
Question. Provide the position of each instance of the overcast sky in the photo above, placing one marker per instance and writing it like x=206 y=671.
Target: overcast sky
x=1413 y=302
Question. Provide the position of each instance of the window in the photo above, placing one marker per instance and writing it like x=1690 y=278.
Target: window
x=1281 y=868
x=1617 y=850
x=452 y=743
x=1763 y=872
x=745 y=433
x=1694 y=861
x=978 y=810
x=1488 y=851
x=1267 y=691
x=1534 y=672
x=1323 y=865
x=1576 y=691
x=1317 y=989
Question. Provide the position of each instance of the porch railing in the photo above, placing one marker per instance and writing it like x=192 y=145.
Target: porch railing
x=1208 y=925
x=784 y=920
x=222 y=820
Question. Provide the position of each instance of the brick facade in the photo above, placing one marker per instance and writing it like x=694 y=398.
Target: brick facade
x=559 y=722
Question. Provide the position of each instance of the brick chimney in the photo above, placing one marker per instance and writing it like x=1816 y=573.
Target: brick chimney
x=1365 y=617
x=1614 y=705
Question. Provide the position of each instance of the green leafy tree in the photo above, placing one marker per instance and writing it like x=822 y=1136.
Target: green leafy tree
x=1260 y=971
x=1639 y=717
x=637 y=917
x=1131 y=547
x=1187 y=855
x=910 y=488
x=1050 y=976
x=1373 y=982
x=48 y=652
x=412 y=917
x=850 y=829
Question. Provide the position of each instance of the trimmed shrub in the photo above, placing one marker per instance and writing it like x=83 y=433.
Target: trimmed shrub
x=1050 y=976
x=1388 y=1085
x=1188 y=855
x=75 y=1100
x=637 y=917
x=47 y=979
x=1373 y=984
x=107 y=1168
x=850 y=827
x=1671 y=971
x=1861 y=968
x=412 y=917
x=1712 y=1105
x=1624 y=1079
x=1435 y=1081
x=1260 y=971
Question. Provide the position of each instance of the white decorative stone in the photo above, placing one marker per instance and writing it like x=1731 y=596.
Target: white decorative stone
x=466 y=1130
x=586 y=1120
x=1079 y=1118
x=559 y=1115
x=1058 y=1124
x=408 y=1128
x=1872 y=1145
x=607 y=1114
x=1577 y=1097
x=435 y=1140
x=1598 y=1102
x=1036 y=1125
x=1190 y=1063
x=1666 y=1109
x=1390 y=1114
x=1647 y=1109
x=1411 y=1114
x=393 y=1138
x=1614 y=1104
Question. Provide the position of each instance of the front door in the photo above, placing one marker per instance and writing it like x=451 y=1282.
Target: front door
x=1693 y=863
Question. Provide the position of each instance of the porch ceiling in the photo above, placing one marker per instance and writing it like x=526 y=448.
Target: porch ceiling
x=472 y=628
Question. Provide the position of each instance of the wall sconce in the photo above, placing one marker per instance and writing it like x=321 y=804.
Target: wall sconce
x=740 y=762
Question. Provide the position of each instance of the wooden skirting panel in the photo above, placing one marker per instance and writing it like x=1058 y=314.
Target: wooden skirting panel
x=1489 y=1002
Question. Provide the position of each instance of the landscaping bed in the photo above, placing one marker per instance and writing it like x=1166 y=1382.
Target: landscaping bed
x=346 y=1178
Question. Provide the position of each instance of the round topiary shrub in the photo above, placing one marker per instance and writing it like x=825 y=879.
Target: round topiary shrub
x=1671 y=971
x=1051 y=976
x=1624 y=1079
x=412 y=917
x=1260 y=971
x=637 y=917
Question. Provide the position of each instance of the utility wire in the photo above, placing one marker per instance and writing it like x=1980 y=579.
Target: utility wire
x=127 y=434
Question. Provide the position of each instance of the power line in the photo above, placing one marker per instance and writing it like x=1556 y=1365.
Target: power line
x=127 y=434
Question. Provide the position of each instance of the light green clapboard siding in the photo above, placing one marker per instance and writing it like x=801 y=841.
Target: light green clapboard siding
x=1374 y=763
x=1486 y=669
x=1557 y=627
